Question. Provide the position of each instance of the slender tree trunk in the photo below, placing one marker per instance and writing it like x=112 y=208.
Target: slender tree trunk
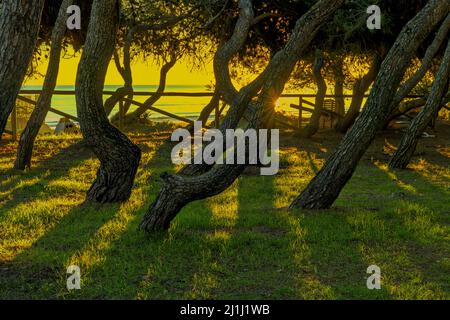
x=133 y=116
x=26 y=143
x=408 y=144
x=209 y=108
x=205 y=113
x=339 y=87
x=405 y=107
x=359 y=90
x=323 y=190
x=118 y=95
x=177 y=190
x=19 y=26
x=122 y=92
x=126 y=71
x=427 y=61
x=314 y=123
x=119 y=157
x=224 y=84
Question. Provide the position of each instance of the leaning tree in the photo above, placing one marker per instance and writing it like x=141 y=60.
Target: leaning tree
x=37 y=118
x=419 y=74
x=409 y=141
x=178 y=190
x=352 y=56
x=55 y=38
x=119 y=157
x=323 y=190
x=19 y=26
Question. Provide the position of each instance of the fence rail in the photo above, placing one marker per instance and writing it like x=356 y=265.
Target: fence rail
x=301 y=106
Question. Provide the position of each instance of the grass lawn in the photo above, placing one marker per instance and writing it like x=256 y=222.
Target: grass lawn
x=243 y=244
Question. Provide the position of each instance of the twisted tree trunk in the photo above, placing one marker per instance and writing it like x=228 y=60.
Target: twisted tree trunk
x=431 y=52
x=119 y=157
x=177 y=190
x=19 y=26
x=314 y=123
x=126 y=73
x=408 y=144
x=339 y=87
x=359 y=90
x=323 y=190
x=224 y=84
x=37 y=118
x=401 y=108
x=127 y=89
x=209 y=108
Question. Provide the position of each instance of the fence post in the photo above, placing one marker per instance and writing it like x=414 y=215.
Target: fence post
x=14 y=123
x=300 y=112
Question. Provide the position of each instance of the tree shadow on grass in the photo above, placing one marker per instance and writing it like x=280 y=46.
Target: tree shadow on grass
x=396 y=223
x=138 y=265
x=29 y=185
x=117 y=257
x=209 y=252
x=55 y=160
x=89 y=232
x=158 y=266
x=40 y=271
x=219 y=248
x=415 y=258
x=326 y=262
x=68 y=238
x=392 y=226
x=255 y=262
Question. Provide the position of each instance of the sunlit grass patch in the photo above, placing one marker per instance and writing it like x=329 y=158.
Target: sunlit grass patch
x=242 y=244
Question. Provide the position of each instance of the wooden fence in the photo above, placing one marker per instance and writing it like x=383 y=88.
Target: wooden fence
x=303 y=106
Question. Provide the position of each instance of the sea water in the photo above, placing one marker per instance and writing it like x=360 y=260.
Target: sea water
x=188 y=107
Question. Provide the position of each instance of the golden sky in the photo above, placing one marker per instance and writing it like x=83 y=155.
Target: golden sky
x=143 y=74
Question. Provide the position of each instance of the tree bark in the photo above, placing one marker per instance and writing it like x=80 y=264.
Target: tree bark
x=209 y=108
x=177 y=190
x=224 y=84
x=431 y=52
x=408 y=144
x=359 y=90
x=339 y=87
x=125 y=72
x=119 y=157
x=19 y=26
x=406 y=106
x=401 y=108
x=323 y=190
x=37 y=118
x=314 y=123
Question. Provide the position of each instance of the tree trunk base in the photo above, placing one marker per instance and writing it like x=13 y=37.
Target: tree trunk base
x=403 y=155
x=119 y=161
x=169 y=202
x=24 y=155
x=112 y=186
x=309 y=201
x=347 y=122
x=26 y=143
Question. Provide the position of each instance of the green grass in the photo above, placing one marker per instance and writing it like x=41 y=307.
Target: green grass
x=242 y=244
